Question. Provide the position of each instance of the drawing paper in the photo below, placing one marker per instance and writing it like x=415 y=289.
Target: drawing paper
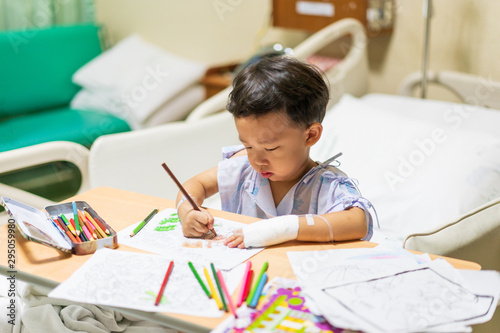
x=133 y=280
x=163 y=235
x=394 y=292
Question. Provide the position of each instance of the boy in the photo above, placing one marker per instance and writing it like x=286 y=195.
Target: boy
x=278 y=105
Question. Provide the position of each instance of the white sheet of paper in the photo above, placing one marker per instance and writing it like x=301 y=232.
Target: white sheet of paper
x=163 y=235
x=372 y=294
x=133 y=280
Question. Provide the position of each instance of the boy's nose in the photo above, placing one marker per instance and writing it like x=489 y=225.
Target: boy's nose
x=260 y=159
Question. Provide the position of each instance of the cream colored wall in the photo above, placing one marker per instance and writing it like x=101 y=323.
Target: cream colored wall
x=464 y=34
x=212 y=31
x=464 y=37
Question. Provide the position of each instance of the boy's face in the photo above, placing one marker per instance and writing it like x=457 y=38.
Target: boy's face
x=275 y=149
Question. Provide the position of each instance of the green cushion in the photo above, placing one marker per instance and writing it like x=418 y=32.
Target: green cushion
x=37 y=65
x=59 y=124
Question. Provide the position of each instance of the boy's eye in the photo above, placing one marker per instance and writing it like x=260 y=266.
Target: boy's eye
x=271 y=149
x=247 y=148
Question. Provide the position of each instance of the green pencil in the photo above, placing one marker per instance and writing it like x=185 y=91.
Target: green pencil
x=256 y=283
x=199 y=279
x=219 y=287
x=143 y=223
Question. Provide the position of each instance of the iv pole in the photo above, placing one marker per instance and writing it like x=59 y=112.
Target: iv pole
x=427 y=14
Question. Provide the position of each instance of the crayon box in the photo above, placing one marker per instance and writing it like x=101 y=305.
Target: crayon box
x=48 y=228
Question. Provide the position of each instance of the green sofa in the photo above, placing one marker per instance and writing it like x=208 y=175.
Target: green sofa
x=36 y=67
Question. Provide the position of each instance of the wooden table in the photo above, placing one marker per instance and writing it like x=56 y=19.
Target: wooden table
x=45 y=266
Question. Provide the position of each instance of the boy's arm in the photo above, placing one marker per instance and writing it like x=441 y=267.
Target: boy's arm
x=349 y=224
x=196 y=223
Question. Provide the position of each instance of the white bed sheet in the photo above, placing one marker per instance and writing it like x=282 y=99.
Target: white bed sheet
x=421 y=163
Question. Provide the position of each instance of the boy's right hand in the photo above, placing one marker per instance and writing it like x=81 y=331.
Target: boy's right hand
x=195 y=223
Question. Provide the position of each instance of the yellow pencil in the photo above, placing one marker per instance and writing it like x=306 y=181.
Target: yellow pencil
x=212 y=289
x=97 y=228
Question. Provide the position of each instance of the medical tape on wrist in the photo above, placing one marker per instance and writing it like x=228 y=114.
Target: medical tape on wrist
x=309 y=219
x=182 y=200
x=271 y=231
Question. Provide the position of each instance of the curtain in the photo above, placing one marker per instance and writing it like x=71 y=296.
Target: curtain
x=26 y=14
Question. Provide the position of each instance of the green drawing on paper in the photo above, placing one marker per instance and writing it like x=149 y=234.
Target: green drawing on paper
x=152 y=297
x=165 y=228
x=168 y=223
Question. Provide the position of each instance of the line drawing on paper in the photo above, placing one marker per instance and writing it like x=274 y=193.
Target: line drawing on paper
x=133 y=280
x=163 y=235
x=419 y=298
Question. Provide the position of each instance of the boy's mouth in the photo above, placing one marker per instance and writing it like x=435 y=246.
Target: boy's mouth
x=266 y=174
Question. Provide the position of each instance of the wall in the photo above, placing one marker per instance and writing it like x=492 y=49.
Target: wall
x=464 y=34
x=464 y=37
x=212 y=31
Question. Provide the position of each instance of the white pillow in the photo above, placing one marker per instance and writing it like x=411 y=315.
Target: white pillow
x=134 y=78
x=417 y=174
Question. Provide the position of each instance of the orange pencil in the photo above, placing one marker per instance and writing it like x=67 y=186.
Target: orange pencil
x=85 y=222
x=97 y=228
x=101 y=225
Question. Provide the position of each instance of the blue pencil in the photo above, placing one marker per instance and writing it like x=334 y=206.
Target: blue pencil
x=258 y=291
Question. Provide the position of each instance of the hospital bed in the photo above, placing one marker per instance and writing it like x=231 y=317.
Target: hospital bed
x=431 y=168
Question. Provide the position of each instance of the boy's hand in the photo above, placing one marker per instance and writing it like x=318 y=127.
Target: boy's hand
x=235 y=240
x=196 y=223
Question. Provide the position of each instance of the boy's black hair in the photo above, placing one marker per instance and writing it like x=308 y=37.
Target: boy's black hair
x=280 y=84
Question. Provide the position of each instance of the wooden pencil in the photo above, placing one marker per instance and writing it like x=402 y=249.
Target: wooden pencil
x=99 y=222
x=183 y=191
x=164 y=283
x=97 y=227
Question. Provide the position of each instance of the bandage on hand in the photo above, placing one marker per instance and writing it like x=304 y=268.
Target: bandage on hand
x=271 y=231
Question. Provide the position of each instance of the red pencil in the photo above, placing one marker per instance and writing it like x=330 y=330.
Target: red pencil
x=160 y=294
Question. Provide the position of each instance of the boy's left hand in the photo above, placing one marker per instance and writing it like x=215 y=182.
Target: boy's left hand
x=235 y=240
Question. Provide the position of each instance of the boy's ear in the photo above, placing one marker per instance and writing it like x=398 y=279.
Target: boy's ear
x=313 y=134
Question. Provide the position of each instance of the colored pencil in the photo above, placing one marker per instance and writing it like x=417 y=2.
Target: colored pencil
x=243 y=286
x=65 y=228
x=183 y=191
x=69 y=225
x=199 y=279
x=98 y=222
x=258 y=291
x=212 y=289
x=226 y=292
x=256 y=282
x=248 y=284
x=144 y=222
x=164 y=283
x=84 y=222
x=221 y=294
x=87 y=233
x=75 y=216
x=72 y=221
x=97 y=227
